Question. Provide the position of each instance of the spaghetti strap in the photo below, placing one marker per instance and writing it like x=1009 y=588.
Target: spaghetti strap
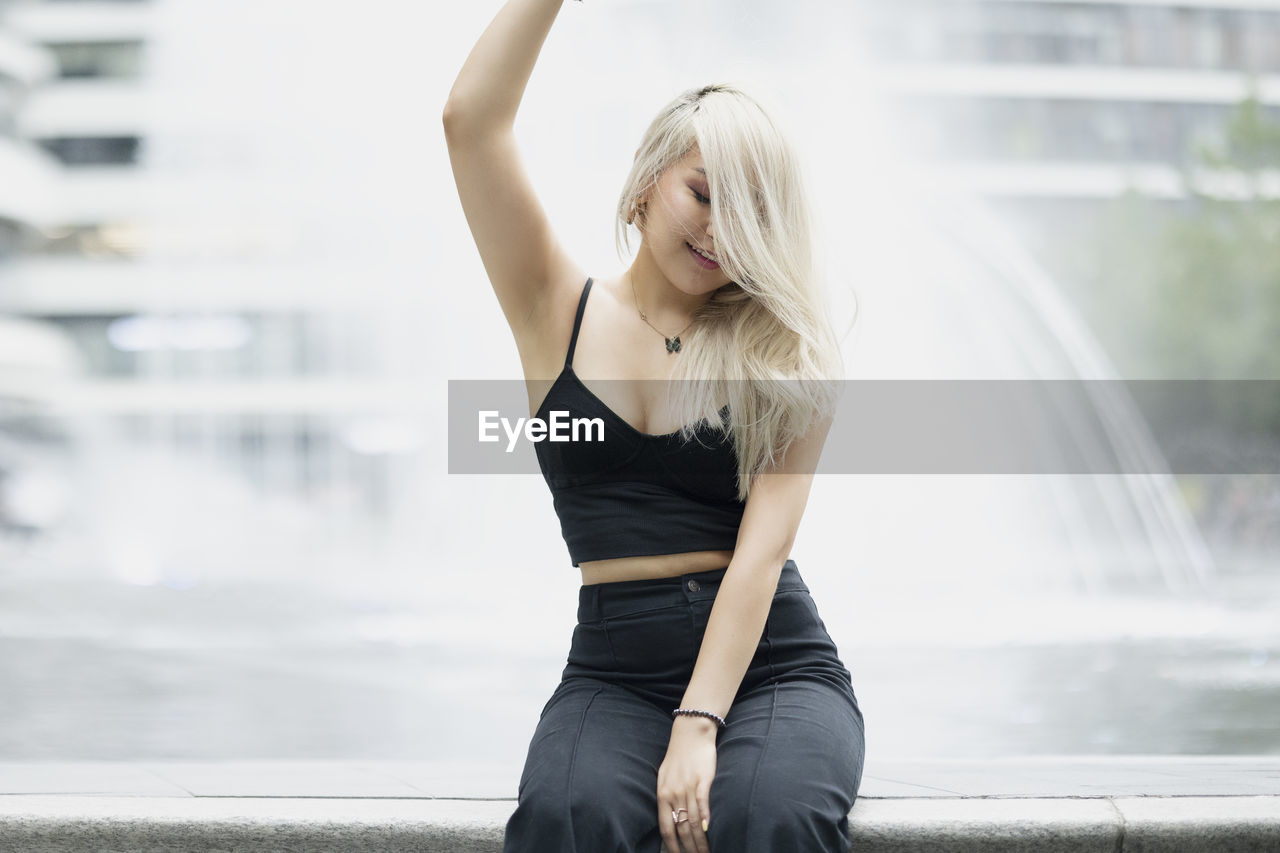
x=577 y=323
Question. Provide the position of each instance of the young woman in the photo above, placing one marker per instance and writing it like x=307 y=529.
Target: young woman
x=703 y=705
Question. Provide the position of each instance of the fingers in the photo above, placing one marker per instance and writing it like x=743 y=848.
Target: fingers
x=704 y=806
x=667 y=828
x=690 y=831
x=683 y=833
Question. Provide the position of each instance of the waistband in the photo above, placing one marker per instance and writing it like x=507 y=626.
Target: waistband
x=617 y=598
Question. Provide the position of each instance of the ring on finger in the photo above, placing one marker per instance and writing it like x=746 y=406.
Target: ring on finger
x=675 y=815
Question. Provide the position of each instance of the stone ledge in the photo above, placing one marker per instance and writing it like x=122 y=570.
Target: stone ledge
x=1171 y=804
x=239 y=825
x=69 y=824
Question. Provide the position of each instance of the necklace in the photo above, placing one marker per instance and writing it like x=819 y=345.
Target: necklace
x=673 y=343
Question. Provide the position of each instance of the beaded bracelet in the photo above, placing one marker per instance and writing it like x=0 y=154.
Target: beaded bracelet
x=720 y=723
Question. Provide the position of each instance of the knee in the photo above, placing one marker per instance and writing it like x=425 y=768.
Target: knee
x=786 y=827
x=541 y=817
x=584 y=815
x=771 y=818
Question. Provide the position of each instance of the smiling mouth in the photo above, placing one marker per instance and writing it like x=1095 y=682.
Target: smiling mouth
x=706 y=255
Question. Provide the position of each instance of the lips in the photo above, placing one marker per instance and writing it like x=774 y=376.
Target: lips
x=702 y=262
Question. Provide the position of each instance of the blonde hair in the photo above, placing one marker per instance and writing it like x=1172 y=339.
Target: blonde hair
x=764 y=341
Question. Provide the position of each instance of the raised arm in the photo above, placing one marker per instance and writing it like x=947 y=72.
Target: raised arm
x=521 y=254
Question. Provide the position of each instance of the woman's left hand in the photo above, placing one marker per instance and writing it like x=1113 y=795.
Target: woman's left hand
x=684 y=782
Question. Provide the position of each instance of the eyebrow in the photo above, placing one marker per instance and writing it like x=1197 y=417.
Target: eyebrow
x=700 y=169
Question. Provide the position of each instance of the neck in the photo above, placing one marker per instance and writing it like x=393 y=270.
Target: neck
x=665 y=305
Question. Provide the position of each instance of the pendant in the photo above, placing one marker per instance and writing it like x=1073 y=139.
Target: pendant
x=673 y=344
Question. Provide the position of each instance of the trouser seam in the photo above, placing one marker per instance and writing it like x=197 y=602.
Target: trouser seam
x=573 y=763
x=760 y=761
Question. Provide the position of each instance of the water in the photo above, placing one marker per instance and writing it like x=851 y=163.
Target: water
x=105 y=670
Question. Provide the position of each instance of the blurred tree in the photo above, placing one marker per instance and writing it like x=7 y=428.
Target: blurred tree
x=1192 y=290
x=1222 y=259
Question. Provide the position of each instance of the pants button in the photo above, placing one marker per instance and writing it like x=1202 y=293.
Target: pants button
x=694 y=586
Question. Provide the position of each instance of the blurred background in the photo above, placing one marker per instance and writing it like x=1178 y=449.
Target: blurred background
x=235 y=280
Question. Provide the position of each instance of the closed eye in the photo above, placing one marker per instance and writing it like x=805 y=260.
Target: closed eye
x=702 y=199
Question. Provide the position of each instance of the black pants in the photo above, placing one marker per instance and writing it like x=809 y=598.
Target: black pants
x=789 y=762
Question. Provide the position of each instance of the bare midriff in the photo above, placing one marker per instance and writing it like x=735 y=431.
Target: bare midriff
x=656 y=566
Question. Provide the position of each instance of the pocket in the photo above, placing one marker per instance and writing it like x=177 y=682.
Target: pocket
x=658 y=642
x=793 y=613
x=797 y=636
x=589 y=652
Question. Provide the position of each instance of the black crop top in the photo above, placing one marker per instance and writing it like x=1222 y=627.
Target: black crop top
x=636 y=494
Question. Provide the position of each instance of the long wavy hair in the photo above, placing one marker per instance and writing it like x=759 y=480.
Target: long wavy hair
x=764 y=341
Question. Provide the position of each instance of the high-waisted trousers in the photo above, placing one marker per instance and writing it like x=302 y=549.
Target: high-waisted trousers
x=788 y=763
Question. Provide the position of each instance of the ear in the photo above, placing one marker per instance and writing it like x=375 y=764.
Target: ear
x=638 y=211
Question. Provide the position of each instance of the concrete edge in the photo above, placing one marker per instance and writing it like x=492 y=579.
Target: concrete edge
x=68 y=824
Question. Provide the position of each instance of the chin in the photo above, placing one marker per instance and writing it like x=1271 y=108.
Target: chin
x=698 y=287
x=699 y=282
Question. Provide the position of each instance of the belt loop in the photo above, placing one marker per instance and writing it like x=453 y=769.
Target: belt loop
x=595 y=601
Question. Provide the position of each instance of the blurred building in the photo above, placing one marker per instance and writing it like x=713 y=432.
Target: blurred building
x=177 y=318
x=1046 y=108
x=84 y=116
x=87 y=115
x=32 y=352
x=24 y=172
